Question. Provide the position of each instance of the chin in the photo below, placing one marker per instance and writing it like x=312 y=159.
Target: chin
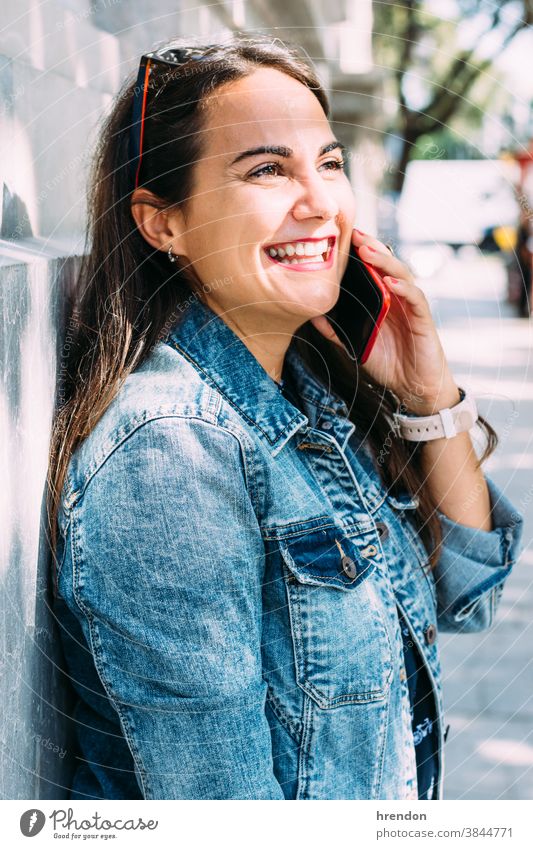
x=321 y=297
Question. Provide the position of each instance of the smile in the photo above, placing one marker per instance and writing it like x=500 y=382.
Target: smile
x=303 y=255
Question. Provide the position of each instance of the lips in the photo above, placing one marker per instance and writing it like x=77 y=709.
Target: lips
x=301 y=255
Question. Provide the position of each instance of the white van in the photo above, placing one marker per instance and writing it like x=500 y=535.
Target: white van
x=456 y=201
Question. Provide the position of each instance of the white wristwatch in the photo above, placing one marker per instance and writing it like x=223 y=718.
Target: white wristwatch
x=446 y=423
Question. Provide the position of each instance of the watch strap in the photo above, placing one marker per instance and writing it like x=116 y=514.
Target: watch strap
x=444 y=424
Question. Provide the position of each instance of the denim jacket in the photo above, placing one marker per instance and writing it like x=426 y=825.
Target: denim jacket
x=229 y=570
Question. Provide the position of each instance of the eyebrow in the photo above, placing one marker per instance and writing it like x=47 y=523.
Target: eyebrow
x=287 y=152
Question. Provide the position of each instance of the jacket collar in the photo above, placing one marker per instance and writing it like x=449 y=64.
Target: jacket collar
x=205 y=339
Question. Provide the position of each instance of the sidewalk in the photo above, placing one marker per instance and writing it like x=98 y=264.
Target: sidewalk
x=488 y=677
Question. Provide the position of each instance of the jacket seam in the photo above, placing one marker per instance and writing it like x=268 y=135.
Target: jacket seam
x=481 y=590
x=270 y=533
x=305 y=748
x=379 y=776
x=354 y=529
x=77 y=494
x=93 y=630
x=64 y=533
x=123 y=434
x=247 y=453
x=97 y=663
x=490 y=584
x=294 y=728
x=327 y=580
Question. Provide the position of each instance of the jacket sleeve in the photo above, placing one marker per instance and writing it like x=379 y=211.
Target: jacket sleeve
x=168 y=564
x=474 y=565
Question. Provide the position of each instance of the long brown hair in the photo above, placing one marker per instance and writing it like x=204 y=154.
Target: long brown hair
x=127 y=292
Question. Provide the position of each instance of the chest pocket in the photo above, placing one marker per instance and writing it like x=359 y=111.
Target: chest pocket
x=342 y=648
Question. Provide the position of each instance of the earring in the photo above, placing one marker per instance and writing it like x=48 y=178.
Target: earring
x=172 y=257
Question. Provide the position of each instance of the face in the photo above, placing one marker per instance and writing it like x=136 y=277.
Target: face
x=268 y=234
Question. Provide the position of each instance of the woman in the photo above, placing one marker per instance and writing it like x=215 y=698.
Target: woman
x=251 y=562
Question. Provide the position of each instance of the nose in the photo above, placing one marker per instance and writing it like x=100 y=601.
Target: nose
x=315 y=199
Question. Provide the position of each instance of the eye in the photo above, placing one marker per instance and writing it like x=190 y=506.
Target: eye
x=337 y=165
x=267 y=169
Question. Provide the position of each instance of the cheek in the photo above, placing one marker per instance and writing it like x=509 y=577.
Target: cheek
x=211 y=242
x=348 y=203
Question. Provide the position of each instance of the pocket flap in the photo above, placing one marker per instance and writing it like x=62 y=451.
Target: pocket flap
x=404 y=501
x=332 y=557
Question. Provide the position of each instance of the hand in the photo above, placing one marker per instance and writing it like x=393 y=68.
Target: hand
x=407 y=357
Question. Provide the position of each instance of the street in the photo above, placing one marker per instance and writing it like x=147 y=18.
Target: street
x=488 y=676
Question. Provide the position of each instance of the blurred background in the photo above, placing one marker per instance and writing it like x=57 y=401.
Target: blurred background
x=434 y=100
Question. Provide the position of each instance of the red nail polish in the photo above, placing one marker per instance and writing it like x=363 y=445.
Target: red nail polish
x=394 y=280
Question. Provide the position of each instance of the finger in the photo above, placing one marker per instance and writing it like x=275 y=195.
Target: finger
x=410 y=294
x=372 y=250
x=359 y=238
x=384 y=261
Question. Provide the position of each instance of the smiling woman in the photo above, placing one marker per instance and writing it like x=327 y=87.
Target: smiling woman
x=248 y=601
x=292 y=193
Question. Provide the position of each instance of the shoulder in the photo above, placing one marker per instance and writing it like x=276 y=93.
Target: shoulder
x=162 y=405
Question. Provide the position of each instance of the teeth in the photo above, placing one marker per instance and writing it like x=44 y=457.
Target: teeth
x=300 y=249
x=301 y=260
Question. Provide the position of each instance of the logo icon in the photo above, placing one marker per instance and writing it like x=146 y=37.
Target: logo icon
x=32 y=822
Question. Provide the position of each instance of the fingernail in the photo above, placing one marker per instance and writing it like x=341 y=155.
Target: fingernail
x=360 y=232
x=393 y=279
x=369 y=248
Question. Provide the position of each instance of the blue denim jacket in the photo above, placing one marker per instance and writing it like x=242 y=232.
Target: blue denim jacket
x=230 y=566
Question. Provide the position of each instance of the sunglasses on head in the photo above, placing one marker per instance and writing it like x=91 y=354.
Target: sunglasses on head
x=171 y=57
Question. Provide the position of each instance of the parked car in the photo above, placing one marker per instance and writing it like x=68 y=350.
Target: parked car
x=498 y=239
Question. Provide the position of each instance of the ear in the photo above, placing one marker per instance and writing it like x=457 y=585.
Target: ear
x=160 y=227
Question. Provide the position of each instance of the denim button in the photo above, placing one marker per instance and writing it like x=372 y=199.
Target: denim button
x=326 y=425
x=383 y=530
x=348 y=567
x=430 y=634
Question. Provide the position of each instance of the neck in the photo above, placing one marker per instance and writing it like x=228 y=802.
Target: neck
x=268 y=346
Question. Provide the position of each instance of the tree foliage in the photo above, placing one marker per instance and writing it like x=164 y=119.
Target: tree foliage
x=418 y=47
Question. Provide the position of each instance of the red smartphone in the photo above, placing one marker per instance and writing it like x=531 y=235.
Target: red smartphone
x=363 y=303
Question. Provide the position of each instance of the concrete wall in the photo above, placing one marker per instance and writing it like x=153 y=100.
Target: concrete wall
x=37 y=752
x=60 y=63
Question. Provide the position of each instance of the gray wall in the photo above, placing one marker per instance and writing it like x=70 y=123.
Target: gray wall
x=61 y=61
x=37 y=750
